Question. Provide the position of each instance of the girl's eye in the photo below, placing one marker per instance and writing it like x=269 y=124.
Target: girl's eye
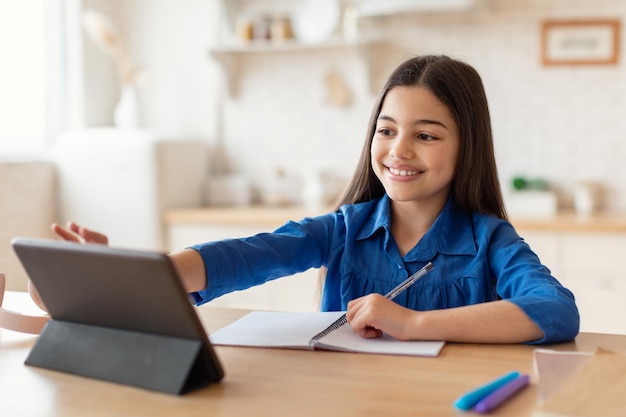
x=425 y=137
x=384 y=131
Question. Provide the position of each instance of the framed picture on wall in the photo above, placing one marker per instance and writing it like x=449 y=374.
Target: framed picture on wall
x=580 y=42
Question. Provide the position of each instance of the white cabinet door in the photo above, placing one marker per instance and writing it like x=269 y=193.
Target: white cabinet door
x=591 y=266
x=600 y=300
x=595 y=271
x=546 y=246
x=594 y=251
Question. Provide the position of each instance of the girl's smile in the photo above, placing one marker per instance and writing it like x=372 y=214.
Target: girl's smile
x=402 y=172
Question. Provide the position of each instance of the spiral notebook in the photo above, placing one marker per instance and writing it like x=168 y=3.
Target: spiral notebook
x=315 y=330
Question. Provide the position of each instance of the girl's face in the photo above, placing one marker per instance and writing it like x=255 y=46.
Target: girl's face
x=415 y=146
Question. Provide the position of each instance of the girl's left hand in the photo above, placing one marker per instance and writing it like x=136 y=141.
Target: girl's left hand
x=374 y=314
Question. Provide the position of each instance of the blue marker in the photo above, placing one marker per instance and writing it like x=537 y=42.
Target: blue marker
x=468 y=400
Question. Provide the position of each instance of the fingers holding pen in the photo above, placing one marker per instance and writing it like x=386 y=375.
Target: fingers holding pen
x=374 y=314
x=362 y=316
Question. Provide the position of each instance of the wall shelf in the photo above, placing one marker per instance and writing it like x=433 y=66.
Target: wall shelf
x=229 y=55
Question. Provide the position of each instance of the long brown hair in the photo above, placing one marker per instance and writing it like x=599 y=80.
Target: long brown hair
x=475 y=187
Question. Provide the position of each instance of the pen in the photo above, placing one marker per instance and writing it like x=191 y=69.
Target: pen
x=393 y=293
x=500 y=395
x=410 y=281
x=468 y=400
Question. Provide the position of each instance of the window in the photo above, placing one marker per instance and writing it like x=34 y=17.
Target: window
x=31 y=76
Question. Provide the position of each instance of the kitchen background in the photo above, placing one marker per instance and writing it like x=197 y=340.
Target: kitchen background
x=286 y=120
x=564 y=124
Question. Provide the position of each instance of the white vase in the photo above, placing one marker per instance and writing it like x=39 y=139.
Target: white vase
x=313 y=192
x=585 y=198
x=126 y=113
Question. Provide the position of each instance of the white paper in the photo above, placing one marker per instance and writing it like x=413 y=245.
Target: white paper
x=275 y=329
x=344 y=338
x=296 y=329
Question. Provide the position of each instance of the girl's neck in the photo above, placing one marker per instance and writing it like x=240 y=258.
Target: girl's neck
x=410 y=221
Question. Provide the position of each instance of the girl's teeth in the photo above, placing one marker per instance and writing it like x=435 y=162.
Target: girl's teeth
x=402 y=173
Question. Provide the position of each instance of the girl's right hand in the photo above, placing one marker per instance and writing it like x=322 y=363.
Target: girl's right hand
x=75 y=233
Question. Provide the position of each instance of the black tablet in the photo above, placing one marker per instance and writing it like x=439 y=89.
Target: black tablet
x=117 y=314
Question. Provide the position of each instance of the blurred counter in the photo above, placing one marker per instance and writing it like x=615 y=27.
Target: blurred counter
x=566 y=221
x=267 y=216
x=569 y=221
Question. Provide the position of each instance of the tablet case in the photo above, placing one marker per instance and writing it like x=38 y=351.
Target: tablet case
x=119 y=315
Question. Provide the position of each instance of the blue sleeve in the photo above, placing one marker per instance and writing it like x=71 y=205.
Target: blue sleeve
x=524 y=281
x=237 y=264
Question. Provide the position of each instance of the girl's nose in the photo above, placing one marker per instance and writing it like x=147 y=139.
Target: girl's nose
x=402 y=147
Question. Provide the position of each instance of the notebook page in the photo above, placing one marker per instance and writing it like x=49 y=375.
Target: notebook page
x=274 y=329
x=345 y=339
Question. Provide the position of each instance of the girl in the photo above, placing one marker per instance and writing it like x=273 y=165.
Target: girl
x=425 y=189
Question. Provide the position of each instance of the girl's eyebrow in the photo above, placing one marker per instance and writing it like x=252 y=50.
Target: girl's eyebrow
x=417 y=122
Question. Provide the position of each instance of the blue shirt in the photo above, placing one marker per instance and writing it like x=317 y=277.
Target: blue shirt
x=477 y=258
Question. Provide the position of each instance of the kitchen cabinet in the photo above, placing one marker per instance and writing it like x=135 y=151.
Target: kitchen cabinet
x=589 y=263
x=593 y=268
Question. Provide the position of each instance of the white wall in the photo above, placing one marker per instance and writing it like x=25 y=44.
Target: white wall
x=168 y=41
x=563 y=124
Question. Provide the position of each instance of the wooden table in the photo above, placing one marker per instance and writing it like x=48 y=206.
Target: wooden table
x=276 y=382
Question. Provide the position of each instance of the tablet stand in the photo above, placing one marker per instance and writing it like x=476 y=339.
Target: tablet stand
x=161 y=363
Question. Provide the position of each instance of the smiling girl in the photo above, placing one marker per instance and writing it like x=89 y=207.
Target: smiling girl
x=425 y=190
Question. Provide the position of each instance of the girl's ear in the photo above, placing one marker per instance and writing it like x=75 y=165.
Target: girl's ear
x=18 y=322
